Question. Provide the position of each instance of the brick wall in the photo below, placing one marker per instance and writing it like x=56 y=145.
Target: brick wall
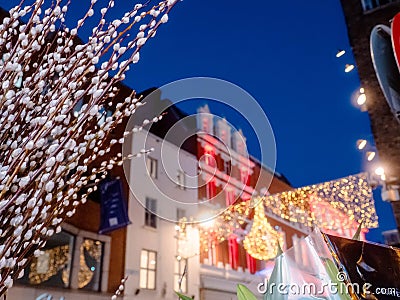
x=385 y=128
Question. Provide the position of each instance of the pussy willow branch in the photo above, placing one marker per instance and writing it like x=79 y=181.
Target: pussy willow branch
x=54 y=91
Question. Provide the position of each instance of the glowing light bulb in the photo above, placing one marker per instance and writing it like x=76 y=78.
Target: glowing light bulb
x=340 y=53
x=362 y=91
x=379 y=171
x=361 y=99
x=348 y=68
x=208 y=224
x=361 y=144
x=370 y=155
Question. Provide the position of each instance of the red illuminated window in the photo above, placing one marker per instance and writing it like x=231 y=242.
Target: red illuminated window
x=244 y=176
x=209 y=155
x=251 y=263
x=233 y=252
x=229 y=197
x=211 y=189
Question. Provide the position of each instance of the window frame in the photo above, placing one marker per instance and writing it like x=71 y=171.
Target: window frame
x=230 y=197
x=79 y=237
x=150 y=213
x=152 y=166
x=371 y=5
x=181 y=179
x=228 y=167
x=148 y=269
x=209 y=157
x=101 y=265
x=211 y=189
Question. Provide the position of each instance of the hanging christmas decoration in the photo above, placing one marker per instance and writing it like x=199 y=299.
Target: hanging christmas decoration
x=262 y=240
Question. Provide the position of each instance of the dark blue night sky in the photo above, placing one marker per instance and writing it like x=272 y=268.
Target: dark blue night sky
x=283 y=54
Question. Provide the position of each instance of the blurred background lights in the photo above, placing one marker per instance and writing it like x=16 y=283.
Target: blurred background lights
x=208 y=224
x=379 y=171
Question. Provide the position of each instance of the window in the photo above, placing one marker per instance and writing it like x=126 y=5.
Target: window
x=53 y=266
x=227 y=167
x=229 y=197
x=244 y=176
x=251 y=263
x=233 y=252
x=181 y=180
x=209 y=156
x=180 y=275
x=105 y=113
x=148 y=267
x=211 y=189
x=72 y=258
x=150 y=216
x=371 y=4
x=90 y=265
x=151 y=164
x=77 y=108
x=206 y=127
x=223 y=137
x=18 y=82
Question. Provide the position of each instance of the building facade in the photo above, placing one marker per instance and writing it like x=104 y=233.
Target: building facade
x=260 y=208
x=161 y=193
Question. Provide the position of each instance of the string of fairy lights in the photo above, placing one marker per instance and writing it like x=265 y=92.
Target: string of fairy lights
x=368 y=149
x=350 y=196
x=263 y=240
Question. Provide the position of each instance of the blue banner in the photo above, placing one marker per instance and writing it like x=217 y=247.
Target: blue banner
x=114 y=214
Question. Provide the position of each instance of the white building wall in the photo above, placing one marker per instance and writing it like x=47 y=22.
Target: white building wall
x=169 y=198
